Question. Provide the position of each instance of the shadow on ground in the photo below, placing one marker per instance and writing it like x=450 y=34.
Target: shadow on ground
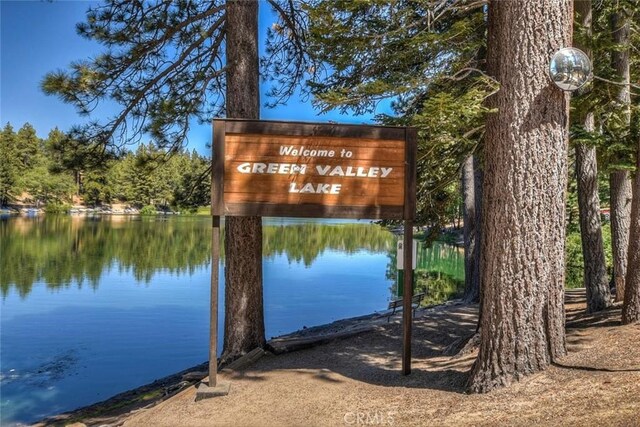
x=375 y=357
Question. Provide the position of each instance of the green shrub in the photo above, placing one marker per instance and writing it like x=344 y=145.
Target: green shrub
x=187 y=210
x=204 y=210
x=57 y=208
x=148 y=210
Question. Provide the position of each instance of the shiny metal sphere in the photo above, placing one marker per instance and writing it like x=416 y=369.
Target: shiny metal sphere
x=570 y=68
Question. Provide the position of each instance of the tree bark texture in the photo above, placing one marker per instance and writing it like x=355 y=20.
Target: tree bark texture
x=471 y=194
x=477 y=181
x=595 y=268
x=620 y=211
x=468 y=212
x=631 y=305
x=244 y=314
x=596 y=281
x=525 y=179
x=620 y=186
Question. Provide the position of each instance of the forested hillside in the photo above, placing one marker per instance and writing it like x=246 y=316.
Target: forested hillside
x=51 y=171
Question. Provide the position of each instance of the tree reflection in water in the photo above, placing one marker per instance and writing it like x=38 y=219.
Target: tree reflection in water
x=439 y=272
x=63 y=251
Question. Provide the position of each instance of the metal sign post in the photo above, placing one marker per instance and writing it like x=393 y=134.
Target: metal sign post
x=409 y=214
x=213 y=388
x=213 y=329
x=407 y=313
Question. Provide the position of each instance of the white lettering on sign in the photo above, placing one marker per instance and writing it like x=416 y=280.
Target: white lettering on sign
x=315 y=188
x=361 y=172
x=290 y=150
x=319 y=170
x=272 y=168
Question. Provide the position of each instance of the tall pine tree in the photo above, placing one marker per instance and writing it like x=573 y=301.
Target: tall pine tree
x=595 y=270
x=166 y=64
x=523 y=228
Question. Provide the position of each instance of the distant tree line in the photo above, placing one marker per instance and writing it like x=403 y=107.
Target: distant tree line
x=52 y=170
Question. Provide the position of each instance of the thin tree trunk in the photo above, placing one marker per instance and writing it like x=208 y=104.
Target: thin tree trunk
x=620 y=186
x=468 y=211
x=244 y=315
x=631 y=305
x=525 y=180
x=471 y=202
x=595 y=267
x=479 y=178
x=620 y=211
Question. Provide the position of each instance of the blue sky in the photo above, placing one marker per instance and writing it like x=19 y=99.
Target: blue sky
x=39 y=36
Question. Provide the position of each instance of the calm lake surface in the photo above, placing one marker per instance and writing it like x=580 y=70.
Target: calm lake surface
x=92 y=307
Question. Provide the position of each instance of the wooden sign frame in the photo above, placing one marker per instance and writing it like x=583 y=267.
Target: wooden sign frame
x=351 y=134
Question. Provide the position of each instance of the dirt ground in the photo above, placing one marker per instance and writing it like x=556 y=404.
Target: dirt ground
x=357 y=382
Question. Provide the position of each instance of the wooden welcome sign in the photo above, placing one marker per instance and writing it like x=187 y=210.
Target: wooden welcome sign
x=267 y=168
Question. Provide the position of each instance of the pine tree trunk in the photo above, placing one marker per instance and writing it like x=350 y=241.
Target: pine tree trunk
x=478 y=178
x=631 y=305
x=595 y=267
x=244 y=314
x=525 y=180
x=620 y=211
x=619 y=184
x=471 y=203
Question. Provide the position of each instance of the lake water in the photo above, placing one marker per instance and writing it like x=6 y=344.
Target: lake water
x=92 y=307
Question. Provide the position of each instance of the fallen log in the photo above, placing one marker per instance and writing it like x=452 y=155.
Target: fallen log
x=294 y=343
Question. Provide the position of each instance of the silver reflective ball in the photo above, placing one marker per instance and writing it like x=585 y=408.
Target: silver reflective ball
x=570 y=68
